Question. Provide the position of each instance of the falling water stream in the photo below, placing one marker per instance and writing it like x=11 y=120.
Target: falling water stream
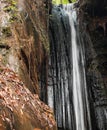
x=80 y=97
x=68 y=96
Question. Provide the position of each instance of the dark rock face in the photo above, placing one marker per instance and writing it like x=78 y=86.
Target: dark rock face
x=94 y=7
x=60 y=72
x=95 y=47
x=94 y=37
x=96 y=87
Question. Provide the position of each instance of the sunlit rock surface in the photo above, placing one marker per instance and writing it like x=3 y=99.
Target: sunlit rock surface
x=24 y=50
x=24 y=41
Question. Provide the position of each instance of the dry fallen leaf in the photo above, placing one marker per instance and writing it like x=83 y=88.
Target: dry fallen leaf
x=37 y=129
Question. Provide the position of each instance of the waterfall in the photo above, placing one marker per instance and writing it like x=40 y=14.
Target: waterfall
x=67 y=90
x=80 y=97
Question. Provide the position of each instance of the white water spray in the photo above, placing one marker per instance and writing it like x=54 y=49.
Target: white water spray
x=80 y=97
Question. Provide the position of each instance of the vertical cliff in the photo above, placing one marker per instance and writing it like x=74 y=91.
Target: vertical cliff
x=24 y=49
x=24 y=34
x=94 y=28
x=93 y=32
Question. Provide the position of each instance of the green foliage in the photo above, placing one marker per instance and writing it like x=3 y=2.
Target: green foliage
x=74 y=1
x=62 y=1
x=11 y=8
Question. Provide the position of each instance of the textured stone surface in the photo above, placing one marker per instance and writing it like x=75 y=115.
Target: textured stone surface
x=95 y=44
x=94 y=36
x=59 y=80
x=24 y=49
